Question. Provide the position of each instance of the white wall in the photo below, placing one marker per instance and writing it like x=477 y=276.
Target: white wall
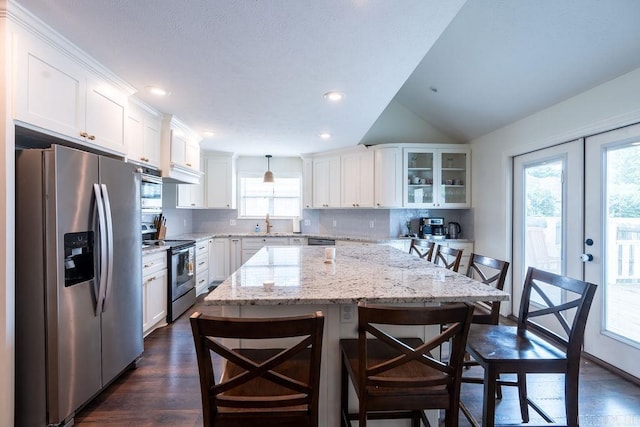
x=397 y=124
x=7 y=234
x=610 y=105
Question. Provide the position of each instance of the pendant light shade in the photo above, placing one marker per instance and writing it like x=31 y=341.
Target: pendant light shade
x=268 y=175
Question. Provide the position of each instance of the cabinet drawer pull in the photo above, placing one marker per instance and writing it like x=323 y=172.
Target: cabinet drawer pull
x=149 y=265
x=151 y=279
x=189 y=164
x=202 y=263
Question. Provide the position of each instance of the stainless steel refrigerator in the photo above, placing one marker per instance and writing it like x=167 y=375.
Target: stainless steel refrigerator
x=78 y=280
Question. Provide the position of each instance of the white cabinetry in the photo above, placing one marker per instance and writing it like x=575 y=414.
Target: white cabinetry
x=437 y=177
x=251 y=245
x=357 y=179
x=220 y=186
x=190 y=196
x=180 y=151
x=307 y=182
x=143 y=134
x=154 y=291
x=58 y=94
x=326 y=182
x=219 y=253
x=297 y=241
x=388 y=177
x=235 y=254
x=202 y=266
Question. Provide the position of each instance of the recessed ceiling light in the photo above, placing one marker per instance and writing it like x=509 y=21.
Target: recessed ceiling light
x=208 y=133
x=334 y=96
x=156 y=90
x=325 y=135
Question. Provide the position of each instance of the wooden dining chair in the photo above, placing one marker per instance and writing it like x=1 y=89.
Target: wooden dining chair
x=401 y=377
x=258 y=384
x=530 y=348
x=492 y=272
x=423 y=248
x=448 y=257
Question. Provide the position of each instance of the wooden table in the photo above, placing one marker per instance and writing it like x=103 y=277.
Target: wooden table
x=283 y=281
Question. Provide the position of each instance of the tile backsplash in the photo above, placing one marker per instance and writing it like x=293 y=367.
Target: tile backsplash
x=376 y=223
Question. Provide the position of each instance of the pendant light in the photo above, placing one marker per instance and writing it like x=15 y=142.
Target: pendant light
x=268 y=175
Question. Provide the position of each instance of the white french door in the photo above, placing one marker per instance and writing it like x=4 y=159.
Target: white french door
x=612 y=223
x=547 y=213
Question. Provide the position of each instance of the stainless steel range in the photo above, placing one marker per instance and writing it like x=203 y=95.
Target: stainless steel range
x=181 y=270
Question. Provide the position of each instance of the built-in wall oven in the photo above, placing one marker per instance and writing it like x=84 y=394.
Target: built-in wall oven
x=150 y=193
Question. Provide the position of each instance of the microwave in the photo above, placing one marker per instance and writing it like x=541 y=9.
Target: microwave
x=150 y=193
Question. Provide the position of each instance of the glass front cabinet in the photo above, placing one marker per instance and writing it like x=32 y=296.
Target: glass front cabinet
x=437 y=178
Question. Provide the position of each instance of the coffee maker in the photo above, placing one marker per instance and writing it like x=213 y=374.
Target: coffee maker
x=432 y=227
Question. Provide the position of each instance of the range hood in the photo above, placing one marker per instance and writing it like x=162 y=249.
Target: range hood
x=179 y=174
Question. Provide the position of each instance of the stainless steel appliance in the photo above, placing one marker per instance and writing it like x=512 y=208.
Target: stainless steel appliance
x=78 y=280
x=181 y=271
x=315 y=241
x=432 y=228
x=454 y=230
x=150 y=194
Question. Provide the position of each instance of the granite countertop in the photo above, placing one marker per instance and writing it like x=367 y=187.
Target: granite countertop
x=365 y=239
x=375 y=273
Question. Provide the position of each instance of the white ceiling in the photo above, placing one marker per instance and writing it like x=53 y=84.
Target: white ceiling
x=255 y=71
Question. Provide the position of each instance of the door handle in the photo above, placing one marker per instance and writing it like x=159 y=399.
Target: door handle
x=586 y=257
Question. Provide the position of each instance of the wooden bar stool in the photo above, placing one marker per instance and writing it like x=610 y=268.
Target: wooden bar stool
x=448 y=257
x=530 y=348
x=259 y=385
x=423 y=248
x=400 y=377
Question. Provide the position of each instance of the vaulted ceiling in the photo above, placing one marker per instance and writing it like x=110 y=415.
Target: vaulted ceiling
x=254 y=72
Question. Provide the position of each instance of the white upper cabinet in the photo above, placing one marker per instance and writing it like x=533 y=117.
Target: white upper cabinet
x=357 y=179
x=326 y=182
x=58 y=95
x=180 y=152
x=388 y=176
x=143 y=134
x=307 y=182
x=437 y=177
x=220 y=187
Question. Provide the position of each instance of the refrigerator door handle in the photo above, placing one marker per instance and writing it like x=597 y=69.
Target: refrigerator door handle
x=109 y=219
x=103 y=248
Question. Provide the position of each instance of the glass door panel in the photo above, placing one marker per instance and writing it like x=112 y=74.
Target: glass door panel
x=612 y=238
x=622 y=242
x=547 y=214
x=419 y=177
x=453 y=168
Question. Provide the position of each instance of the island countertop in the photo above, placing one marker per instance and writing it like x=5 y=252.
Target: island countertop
x=374 y=273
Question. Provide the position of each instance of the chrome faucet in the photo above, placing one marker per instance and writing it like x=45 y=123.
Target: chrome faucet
x=268 y=224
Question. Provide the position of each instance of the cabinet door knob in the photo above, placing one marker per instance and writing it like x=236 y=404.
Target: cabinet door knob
x=84 y=134
x=92 y=137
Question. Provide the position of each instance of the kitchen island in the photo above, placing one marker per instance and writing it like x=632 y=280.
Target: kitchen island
x=283 y=281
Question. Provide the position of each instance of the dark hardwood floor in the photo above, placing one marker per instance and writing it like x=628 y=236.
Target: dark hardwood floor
x=164 y=390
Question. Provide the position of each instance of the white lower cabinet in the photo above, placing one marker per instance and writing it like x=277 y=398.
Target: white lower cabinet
x=219 y=253
x=235 y=254
x=154 y=291
x=297 y=241
x=251 y=245
x=202 y=266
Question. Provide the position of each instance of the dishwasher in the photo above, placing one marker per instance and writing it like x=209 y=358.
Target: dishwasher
x=313 y=241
